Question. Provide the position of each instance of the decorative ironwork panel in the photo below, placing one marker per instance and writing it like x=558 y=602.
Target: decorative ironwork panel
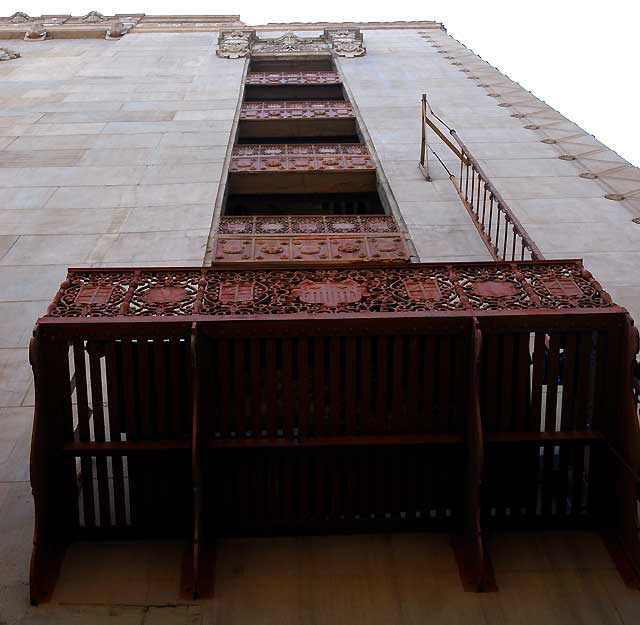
x=320 y=109
x=361 y=247
x=478 y=288
x=293 y=78
x=308 y=224
x=304 y=157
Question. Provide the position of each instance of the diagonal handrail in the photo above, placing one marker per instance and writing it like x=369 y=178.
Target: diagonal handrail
x=503 y=234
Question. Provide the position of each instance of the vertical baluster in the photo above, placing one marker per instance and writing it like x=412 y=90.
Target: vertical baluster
x=484 y=203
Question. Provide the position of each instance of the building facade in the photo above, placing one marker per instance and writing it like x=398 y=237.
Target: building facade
x=173 y=142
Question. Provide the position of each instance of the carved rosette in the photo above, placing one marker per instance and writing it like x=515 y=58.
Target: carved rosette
x=8 y=55
x=346 y=42
x=235 y=44
x=475 y=287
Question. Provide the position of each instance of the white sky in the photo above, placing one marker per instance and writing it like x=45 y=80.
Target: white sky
x=580 y=56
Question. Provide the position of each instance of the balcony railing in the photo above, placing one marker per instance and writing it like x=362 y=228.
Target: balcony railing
x=293 y=78
x=296 y=110
x=303 y=157
x=501 y=231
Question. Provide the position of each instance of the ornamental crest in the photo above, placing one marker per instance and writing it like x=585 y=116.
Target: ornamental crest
x=235 y=44
x=346 y=42
x=329 y=292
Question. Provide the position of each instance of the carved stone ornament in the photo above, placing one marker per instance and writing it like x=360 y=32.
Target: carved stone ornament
x=35 y=32
x=235 y=44
x=19 y=18
x=116 y=30
x=290 y=43
x=8 y=55
x=346 y=42
x=94 y=16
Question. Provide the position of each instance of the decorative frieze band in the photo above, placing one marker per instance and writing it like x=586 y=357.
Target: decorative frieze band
x=91 y=25
x=223 y=290
x=303 y=157
x=346 y=42
x=336 y=248
x=307 y=224
x=297 y=110
x=293 y=78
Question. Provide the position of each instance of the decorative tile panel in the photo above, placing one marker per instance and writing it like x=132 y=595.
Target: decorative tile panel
x=222 y=290
x=337 y=248
x=321 y=109
x=293 y=78
x=301 y=157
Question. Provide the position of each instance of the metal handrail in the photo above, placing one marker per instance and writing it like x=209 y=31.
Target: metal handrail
x=503 y=234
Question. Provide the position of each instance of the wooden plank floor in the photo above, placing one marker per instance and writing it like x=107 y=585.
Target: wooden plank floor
x=562 y=578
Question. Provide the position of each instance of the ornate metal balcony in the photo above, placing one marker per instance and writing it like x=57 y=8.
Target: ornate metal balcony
x=306 y=157
x=320 y=109
x=525 y=287
x=293 y=78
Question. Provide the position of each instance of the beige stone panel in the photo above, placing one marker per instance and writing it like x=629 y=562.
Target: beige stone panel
x=107 y=116
x=33 y=197
x=195 y=139
x=225 y=114
x=548 y=187
x=71 y=249
x=120 y=573
x=15 y=439
x=197 y=104
x=434 y=213
x=571 y=210
x=6 y=141
x=53 y=143
x=63 y=129
x=16 y=529
x=6 y=243
x=40 y=158
x=530 y=168
x=158 y=156
x=143 y=195
x=578 y=239
x=16 y=328
x=62 y=221
x=160 y=247
x=172 y=126
x=23 y=284
x=168 y=218
x=423 y=191
x=71 y=176
x=15 y=376
x=182 y=173
x=437 y=242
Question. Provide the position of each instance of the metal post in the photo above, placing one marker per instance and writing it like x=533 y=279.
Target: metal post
x=424 y=155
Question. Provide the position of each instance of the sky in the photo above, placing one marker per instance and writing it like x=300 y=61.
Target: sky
x=579 y=56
